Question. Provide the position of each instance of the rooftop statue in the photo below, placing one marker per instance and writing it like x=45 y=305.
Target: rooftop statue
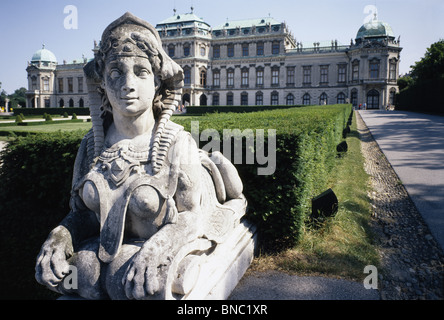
x=148 y=208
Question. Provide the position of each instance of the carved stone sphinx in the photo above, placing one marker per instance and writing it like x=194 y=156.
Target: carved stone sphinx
x=152 y=216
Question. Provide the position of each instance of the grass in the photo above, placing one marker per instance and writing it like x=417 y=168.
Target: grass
x=342 y=245
x=62 y=125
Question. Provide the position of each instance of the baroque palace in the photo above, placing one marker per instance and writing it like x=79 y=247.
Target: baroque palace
x=248 y=62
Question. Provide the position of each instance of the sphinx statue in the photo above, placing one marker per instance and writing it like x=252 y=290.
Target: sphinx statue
x=152 y=216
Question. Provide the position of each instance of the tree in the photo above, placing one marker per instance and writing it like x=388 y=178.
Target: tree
x=423 y=91
x=18 y=98
x=432 y=65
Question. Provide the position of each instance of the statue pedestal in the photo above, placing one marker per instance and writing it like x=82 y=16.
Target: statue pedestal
x=226 y=265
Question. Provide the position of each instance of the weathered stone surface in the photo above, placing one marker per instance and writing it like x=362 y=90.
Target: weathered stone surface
x=152 y=216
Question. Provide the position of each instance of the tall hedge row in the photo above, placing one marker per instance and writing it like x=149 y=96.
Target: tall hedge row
x=306 y=141
x=36 y=171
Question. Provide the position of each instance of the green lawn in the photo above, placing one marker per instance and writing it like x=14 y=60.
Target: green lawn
x=343 y=245
x=60 y=125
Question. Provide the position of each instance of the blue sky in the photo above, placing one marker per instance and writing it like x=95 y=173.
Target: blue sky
x=26 y=24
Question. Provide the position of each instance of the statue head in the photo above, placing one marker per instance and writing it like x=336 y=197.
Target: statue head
x=130 y=38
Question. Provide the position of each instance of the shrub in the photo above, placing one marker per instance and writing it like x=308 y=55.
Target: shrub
x=36 y=173
x=306 y=147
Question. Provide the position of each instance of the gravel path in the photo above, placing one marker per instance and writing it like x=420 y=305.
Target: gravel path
x=412 y=261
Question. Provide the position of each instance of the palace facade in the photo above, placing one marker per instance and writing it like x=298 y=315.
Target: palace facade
x=249 y=62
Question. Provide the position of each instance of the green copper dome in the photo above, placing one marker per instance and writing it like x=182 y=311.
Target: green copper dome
x=44 y=55
x=375 y=29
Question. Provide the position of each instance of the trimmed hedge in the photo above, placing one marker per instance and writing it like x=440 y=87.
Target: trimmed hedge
x=201 y=110
x=51 y=111
x=36 y=173
x=306 y=147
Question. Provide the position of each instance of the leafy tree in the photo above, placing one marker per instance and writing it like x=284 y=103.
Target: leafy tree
x=423 y=90
x=432 y=65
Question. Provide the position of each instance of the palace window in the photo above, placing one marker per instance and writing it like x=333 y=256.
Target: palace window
x=229 y=99
x=340 y=98
x=323 y=99
x=230 y=77
x=275 y=47
x=245 y=49
x=260 y=48
x=259 y=77
x=171 y=50
x=392 y=70
x=290 y=76
x=275 y=76
x=70 y=85
x=80 y=84
x=306 y=99
x=259 y=98
x=186 y=50
x=290 y=99
x=342 y=71
x=230 y=50
x=202 y=51
x=60 y=85
x=355 y=70
x=244 y=77
x=306 y=75
x=203 y=78
x=71 y=103
x=274 y=98
x=216 y=51
x=215 y=99
x=244 y=99
x=81 y=103
x=45 y=84
x=33 y=83
x=187 y=75
x=374 y=69
x=324 y=74
x=216 y=78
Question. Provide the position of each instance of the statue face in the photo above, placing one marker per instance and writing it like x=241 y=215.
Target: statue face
x=129 y=85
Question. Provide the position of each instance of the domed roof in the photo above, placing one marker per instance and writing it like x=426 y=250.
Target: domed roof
x=375 y=29
x=44 y=55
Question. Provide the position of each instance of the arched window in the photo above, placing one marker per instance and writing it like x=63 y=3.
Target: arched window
x=340 y=98
x=290 y=99
x=61 y=103
x=203 y=77
x=203 y=100
x=354 y=97
x=244 y=99
x=373 y=99
x=259 y=98
x=274 y=98
x=186 y=99
x=323 y=99
x=306 y=99
x=187 y=75
x=71 y=103
x=81 y=103
x=229 y=99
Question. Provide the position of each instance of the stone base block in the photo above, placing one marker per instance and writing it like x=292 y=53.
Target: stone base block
x=225 y=266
